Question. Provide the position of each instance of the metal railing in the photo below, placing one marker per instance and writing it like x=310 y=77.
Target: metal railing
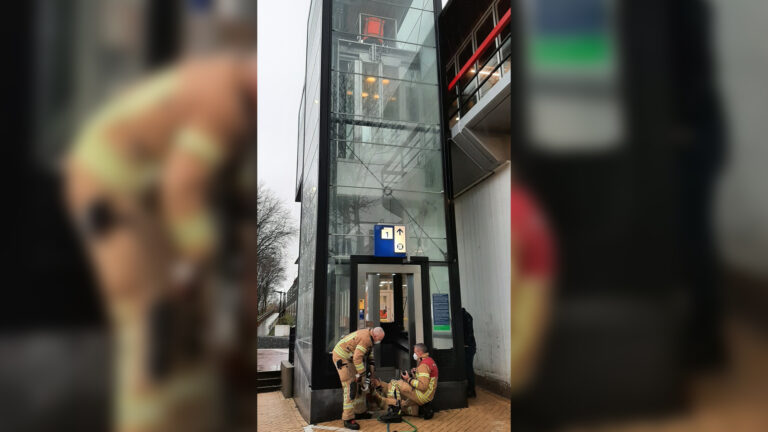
x=474 y=80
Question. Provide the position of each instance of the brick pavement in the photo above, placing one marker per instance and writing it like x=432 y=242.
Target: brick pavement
x=277 y=414
x=487 y=413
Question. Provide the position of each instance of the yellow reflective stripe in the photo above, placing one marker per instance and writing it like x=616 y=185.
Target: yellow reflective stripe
x=193 y=231
x=414 y=383
x=341 y=353
x=359 y=367
x=424 y=397
x=422 y=374
x=135 y=413
x=199 y=144
x=348 y=338
x=103 y=160
x=362 y=348
x=145 y=95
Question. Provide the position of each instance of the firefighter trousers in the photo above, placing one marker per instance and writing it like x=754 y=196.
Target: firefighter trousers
x=353 y=398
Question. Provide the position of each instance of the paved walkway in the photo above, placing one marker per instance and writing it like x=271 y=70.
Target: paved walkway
x=278 y=414
x=487 y=412
x=730 y=401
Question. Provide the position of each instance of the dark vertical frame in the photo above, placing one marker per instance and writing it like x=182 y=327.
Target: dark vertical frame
x=163 y=31
x=323 y=167
x=450 y=221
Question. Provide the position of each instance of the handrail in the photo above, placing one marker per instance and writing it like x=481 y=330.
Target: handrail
x=483 y=46
x=462 y=98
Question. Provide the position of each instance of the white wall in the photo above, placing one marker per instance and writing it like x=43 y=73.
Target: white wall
x=483 y=236
x=742 y=201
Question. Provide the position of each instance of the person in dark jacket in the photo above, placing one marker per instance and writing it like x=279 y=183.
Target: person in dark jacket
x=470 y=348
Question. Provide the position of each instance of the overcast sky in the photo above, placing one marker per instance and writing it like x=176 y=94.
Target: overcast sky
x=282 y=51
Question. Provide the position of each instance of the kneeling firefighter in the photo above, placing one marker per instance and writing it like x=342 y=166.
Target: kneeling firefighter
x=413 y=394
x=350 y=356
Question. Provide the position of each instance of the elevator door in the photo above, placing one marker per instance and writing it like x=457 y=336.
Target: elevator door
x=390 y=296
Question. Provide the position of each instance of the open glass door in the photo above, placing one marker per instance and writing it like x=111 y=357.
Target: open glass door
x=389 y=296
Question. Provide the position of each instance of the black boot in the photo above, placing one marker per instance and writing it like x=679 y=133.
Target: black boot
x=351 y=424
x=392 y=416
x=426 y=411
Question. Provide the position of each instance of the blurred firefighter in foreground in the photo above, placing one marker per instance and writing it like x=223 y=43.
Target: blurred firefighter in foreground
x=140 y=178
x=350 y=356
x=533 y=267
x=413 y=393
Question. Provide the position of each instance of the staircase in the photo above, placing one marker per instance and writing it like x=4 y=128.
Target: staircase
x=268 y=381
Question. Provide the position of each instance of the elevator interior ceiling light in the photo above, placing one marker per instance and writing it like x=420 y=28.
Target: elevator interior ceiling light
x=393 y=98
x=364 y=94
x=385 y=81
x=378 y=274
x=376 y=96
x=317 y=101
x=371 y=79
x=349 y=92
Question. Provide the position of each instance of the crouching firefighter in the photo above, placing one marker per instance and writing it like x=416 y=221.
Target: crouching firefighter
x=413 y=394
x=353 y=359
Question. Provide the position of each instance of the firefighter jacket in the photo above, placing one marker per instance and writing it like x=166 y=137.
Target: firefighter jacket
x=356 y=346
x=425 y=381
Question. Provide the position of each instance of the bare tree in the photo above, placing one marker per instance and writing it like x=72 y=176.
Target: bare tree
x=274 y=230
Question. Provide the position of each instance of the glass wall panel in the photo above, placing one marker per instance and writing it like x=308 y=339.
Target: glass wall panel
x=440 y=299
x=386 y=167
x=337 y=307
x=375 y=95
x=310 y=136
x=385 y=151
x=300 y=145
x=406 y=61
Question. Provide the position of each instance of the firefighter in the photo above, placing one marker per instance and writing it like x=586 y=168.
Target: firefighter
x=413 y=393
x=349 y=357
x=534 y=268
x=138 y=186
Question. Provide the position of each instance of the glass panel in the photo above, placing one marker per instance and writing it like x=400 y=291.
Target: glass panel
x=452 y=120
x=442 y=324
x=493 y=78
x=407 y=61
x=381 y=167
x=467 y=83
x=386 y=299
x=385 y=152
x=501 y=8
x=337 y=308
x=384 y=23
x=467 y=104
x=308 y=232
x=373 y=96
x=482 y=31
x=465 y=54
x=450 y=72
x=490 y=74
x=353 y=128
x=355 y=211
x=300 y=146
